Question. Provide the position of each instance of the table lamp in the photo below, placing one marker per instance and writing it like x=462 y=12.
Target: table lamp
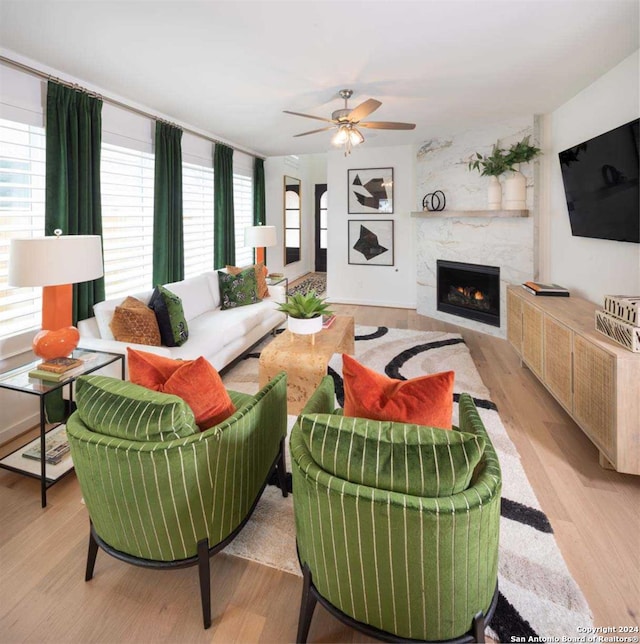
x=55 y=263
x=260 y=237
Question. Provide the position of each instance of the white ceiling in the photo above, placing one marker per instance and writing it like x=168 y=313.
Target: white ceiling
x=230 y=68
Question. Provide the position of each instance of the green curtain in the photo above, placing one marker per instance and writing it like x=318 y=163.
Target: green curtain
x=168 y=246
x=72 y=189
x=224 y=244
x=259 y=208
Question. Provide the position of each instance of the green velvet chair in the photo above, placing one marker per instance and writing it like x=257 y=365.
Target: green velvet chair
x=159 y=492
x=397 y=525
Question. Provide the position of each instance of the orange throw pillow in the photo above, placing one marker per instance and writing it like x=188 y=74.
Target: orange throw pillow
x=427 y=400
x=195 y=381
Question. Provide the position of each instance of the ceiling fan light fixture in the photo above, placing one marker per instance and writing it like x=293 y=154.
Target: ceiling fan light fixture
x=355 y=136
x=341 y=136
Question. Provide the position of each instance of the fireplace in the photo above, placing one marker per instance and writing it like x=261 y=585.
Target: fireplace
x=470 y=291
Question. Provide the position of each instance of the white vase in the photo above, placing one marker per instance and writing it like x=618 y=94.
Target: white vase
x=303 y=326
x=494 y=194
x=515 y=191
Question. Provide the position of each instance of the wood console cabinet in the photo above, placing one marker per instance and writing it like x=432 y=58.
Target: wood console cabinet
x=596 y=380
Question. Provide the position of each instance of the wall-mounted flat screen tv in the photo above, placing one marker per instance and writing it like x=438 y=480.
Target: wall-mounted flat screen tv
x=601 y=185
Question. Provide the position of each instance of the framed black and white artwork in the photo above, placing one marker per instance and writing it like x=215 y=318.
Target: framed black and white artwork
x=371 y=242
x=370 y=191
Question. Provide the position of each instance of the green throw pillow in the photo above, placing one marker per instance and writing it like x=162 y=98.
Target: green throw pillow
x=238 y=290
x=121 y=409
x=399 y=457
x=174 y=331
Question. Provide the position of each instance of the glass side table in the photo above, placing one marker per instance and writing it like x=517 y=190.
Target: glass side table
x=280 y=279
x=18 y=380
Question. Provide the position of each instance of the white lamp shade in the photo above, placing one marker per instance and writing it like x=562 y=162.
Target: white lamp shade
x=50 y=261
x=260 y=236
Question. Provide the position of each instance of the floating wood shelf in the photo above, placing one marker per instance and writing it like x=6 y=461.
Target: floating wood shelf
x=429 y=214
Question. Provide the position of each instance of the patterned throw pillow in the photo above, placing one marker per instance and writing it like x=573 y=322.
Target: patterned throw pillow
x=261 y=277
x=149 y=415
x=174 y=330
x=133 y=321
x=399 y=457
x=237 y=290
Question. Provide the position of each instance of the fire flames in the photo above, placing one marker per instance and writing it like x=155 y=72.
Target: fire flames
x=470 y=292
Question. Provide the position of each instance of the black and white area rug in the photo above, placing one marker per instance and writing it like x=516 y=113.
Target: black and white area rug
x=538 y=595
x=315 y=282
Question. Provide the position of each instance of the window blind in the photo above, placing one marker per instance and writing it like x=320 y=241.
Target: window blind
x=243 y=216
x=22 y=182
x=197 y=208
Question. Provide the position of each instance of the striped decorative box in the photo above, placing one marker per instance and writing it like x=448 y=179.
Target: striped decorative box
x=624 y=307
x=625 y=334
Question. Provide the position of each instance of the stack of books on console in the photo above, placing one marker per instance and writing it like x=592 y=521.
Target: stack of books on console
x=535 y=288
x=620 y=320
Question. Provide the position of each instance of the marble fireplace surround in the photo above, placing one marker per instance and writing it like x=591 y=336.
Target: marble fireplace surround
x=506 y=242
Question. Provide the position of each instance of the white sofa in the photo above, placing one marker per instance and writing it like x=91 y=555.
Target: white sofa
x=220 y=336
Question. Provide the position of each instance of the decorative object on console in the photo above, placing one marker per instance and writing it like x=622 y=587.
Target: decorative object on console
x=620 y=320
x=371 y=242
x=260 y=237
x=305 y=312
x=427 y=400
x=536 y=288
x=370 y=191
x=434 y=201
x=55 y=263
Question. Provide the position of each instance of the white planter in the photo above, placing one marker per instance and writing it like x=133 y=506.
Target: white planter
x=515 y=191
x=303 y=326
x=494 y=194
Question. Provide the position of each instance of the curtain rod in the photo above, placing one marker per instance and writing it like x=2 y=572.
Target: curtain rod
x=36 y=72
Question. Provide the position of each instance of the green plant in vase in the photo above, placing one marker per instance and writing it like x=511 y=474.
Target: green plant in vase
x=515 y=184
x=305 y=311
x=521 y=152
x=491 y=166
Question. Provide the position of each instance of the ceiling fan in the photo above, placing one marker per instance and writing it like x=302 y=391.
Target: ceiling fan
x=347 y=121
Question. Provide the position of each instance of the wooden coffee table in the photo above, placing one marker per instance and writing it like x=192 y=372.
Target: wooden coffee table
x=305 y=359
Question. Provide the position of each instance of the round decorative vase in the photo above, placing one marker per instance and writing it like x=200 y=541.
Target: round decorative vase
x=515 y=191
x=304 y=326
x=494 y=194
x=55 y=344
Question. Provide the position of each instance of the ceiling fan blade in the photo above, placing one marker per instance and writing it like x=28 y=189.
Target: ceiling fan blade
x=364 y=109
x=388 y=125
x=322 y=129
x=309 y=116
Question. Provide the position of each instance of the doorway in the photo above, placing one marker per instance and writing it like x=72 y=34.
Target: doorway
x=321 y=227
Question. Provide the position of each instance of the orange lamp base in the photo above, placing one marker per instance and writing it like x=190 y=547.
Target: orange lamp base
x=58 y=337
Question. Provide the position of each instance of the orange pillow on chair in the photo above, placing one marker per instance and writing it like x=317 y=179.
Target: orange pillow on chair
x=427 y=400
x=195 y=381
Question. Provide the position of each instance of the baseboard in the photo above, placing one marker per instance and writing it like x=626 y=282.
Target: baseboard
x=386 y=304
x=9 y=433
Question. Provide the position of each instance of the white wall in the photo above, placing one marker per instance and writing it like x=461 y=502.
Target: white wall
x=590 y=268
x=372 y=285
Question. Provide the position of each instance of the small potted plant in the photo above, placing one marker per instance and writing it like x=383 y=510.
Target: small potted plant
x=515 y=184
x=491 y=166
x=305 y=311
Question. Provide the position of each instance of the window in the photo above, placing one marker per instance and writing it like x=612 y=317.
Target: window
x=197 y=209
x=22 y=181
x=127 y=220
x=243 y=216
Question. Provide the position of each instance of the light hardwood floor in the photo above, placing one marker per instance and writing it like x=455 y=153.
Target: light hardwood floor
x=595 y=514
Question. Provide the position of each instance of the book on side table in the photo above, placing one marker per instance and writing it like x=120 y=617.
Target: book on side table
x=536 y=288
x=56 y=446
